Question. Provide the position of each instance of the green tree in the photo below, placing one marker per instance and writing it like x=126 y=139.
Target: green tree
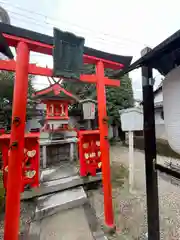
x=82 y=90
x=117 y=98
x=6 y=95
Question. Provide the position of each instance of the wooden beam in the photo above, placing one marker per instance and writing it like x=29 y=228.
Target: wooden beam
x=10 y=65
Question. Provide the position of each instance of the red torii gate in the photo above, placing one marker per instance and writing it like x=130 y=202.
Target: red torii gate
x=25 y=41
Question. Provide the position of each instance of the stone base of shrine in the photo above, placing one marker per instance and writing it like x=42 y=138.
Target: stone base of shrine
x=54 y=151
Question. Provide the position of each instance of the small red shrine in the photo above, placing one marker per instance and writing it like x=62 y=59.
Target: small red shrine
x=57 y=101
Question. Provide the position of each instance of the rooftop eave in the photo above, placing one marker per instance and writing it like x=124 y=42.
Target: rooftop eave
x=164 y=57
x=50 y=92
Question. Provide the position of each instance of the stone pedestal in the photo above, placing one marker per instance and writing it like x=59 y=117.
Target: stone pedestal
x=54 y=151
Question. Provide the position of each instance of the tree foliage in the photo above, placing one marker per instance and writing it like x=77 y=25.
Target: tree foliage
x=7 y=86
x=117 y=98
x=82 y=90
x=6 y=94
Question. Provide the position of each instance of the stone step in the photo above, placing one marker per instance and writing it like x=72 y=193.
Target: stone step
x=53 y=203
x=59 y=185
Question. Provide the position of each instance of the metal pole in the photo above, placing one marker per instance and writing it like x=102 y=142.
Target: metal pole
x=131 y=161
x=89 y=124
x=14 y=186
x=104 y=146
x=150 y=154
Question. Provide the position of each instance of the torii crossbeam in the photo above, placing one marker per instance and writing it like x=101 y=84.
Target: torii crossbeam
x=25 y=41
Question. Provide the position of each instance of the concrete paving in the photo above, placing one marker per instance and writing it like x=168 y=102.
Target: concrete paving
x=66 y=225
x=76 y=223
x=34 y=231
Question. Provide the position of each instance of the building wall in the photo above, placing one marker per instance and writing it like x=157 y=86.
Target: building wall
x=160 y=131
x=159 y=121
x=158 y=116
x=159 y=124
x=33 y=123
x=158 y=97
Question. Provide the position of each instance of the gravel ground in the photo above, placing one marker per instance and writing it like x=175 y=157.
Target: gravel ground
x=27 y=211
x=130 y=209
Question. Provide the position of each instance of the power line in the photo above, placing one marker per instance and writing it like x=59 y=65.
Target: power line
x=48 y=25
x=23 y=9
x=100 y=40
x=27 y=17
x=24 y=20
x=117 y=42
x=97 y=39
x=70 y=23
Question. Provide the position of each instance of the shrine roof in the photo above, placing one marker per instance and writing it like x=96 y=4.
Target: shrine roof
x=164 y=57
x=55 y=92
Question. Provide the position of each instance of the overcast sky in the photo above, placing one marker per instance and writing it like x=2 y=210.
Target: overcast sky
x=116 y=26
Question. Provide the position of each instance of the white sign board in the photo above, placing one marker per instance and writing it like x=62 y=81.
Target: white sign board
x=131 y=119
x=89 y=110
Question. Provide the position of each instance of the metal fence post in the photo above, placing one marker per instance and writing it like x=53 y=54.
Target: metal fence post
x=150 y=152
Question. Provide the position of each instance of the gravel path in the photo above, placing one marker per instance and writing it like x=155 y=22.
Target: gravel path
x=130 y=209
x=27 y=212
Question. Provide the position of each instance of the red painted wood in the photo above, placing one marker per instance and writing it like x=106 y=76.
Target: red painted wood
x=89 y=151
x=47 y=49
x=17 y=136
x=104 y=146
x=54 y=109
x=55 y=101
x=33 y=45
x=31 y=143
x=93 y=79
x=35 y=70
x=88 y=132
x=56 y=88
x=28 y=135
